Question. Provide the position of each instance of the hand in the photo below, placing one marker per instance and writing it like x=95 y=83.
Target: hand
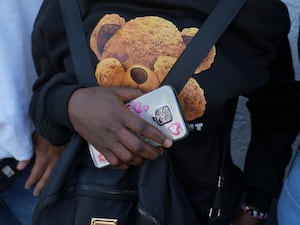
x=100 y=116
x=245 y=219
x=46 y=156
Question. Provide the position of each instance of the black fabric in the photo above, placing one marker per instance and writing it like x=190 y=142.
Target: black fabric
x=77 y=192
x=243 y=67
x=211 y=30
x=78 y=46
x=156 y=198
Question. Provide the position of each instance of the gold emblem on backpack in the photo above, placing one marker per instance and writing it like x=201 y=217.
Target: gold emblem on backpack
x=104 y=221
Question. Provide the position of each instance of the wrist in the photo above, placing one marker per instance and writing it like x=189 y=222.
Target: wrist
x=57 y=105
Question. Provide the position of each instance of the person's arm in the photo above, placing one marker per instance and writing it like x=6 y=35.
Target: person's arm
x=61 y=107
x=275 y=123
x=54 y=85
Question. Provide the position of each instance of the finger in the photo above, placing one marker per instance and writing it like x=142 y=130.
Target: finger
x=141 y=127
x=42 y=181
x=127 y=155
x=42 y=170
x=127 y=146
x=21 y=165
x=114 y=148
x=136 y=146
x=39 y=186
x=33 y=178
x=36 y=173
x=126 y=143
x=111 y=157
x=127 y=94
x=137 y=124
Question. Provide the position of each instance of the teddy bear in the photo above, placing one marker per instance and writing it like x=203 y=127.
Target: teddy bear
x=139 y=53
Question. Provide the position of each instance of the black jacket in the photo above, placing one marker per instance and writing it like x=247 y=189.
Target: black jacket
x=252 y=60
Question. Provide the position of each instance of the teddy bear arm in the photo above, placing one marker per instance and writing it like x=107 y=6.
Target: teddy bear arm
x=109 y=72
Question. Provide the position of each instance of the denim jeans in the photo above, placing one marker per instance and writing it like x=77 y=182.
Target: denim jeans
x=288 y=209
x=17 y=203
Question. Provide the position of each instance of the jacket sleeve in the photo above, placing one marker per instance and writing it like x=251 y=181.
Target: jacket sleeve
x=275 y=123
x=54 y=86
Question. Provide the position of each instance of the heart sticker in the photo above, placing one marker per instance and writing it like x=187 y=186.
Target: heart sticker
x=146 y=108
x=138 y=107
x=174 y=129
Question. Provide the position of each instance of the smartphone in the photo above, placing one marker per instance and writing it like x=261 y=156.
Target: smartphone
x=158 y=107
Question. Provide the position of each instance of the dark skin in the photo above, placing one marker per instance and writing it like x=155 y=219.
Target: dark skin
x=99 y=115
x=46 y=156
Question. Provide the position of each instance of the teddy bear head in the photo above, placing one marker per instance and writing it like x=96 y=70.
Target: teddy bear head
x=140 y=52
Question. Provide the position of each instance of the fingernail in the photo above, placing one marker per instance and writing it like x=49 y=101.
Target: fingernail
x=36 y=193
x=168 y=143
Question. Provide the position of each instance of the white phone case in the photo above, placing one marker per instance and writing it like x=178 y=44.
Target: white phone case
x=158 y=107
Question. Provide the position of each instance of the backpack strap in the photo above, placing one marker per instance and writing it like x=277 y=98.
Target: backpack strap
x=77 y=42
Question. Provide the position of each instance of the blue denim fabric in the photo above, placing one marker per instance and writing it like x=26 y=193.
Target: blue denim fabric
x=17 y=203
x=288 y=209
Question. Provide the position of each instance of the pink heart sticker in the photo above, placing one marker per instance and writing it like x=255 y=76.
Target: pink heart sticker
x=174 y=129
x=146 y=108
x=138 y=107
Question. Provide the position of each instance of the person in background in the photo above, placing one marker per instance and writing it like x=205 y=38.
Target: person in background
x=26 y=159
x=252 y=59
x=288 y=208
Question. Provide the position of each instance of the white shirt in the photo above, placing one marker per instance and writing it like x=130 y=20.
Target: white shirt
x=17 y=75
x=294 y=12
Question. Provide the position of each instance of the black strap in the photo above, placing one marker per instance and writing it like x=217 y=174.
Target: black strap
x=77 y=42
x=206 y=37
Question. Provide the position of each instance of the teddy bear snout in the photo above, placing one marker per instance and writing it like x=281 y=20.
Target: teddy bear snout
x=139 y=75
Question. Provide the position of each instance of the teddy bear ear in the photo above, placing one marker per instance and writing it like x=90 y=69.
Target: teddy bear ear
x=208 y=61
x=187 y=36
x=104 y=30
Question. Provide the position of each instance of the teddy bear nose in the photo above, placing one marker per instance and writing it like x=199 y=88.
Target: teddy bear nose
x=139 y=75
